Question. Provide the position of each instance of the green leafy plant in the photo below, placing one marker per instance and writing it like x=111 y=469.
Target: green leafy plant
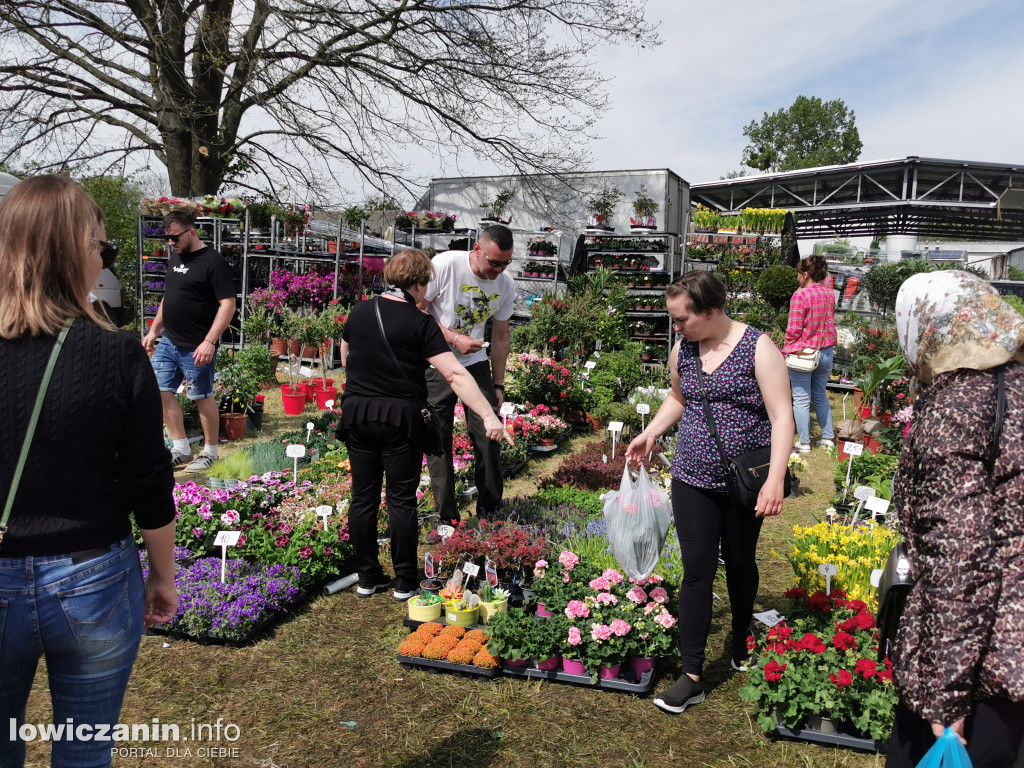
x=602 y=205
x=259 y=363
x=879 y=371
x=496 y=208
x=883 y=281
x=236 y=385
x=777 y=284
x=508 y=634
x=237 y=465
x=544 y=638
x=644 y=205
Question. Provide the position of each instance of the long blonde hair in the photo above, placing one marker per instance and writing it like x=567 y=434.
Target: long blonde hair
x=46 y=227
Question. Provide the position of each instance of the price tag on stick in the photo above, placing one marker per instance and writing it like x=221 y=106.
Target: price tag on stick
x=615 y=427
x=428 y=565
x=643 y=409
x=828 y=570
x=506 y=410
x=324 y=511
x=471 y=569
x=853 y=449
x=309 y=430
x=295 y=451
x=224 y=540
x=877 y=505
x=491 y=573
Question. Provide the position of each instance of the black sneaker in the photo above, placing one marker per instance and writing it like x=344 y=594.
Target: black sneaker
x=685 y=692
x=371 y=590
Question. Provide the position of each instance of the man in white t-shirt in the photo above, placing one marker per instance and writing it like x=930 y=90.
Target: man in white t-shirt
x=468 y=289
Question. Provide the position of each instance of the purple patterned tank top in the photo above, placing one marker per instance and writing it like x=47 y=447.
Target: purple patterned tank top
x=738 y=408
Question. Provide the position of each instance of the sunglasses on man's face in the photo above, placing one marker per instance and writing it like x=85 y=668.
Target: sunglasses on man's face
x=108 y=252
x=175 y=238
x=497 y=264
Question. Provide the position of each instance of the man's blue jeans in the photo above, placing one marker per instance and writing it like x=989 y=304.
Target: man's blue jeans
x=86 y=618
x=809 y=387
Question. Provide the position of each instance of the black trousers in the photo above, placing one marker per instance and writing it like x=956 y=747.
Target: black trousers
x=993 y=732
x=486 y=452
x=376 y=450
x=703 y=519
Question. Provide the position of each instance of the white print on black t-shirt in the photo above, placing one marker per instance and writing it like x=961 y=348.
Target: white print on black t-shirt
x=181 y=268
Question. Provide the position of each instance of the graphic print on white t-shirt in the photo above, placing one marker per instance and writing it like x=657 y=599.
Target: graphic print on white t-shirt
x=473 y=307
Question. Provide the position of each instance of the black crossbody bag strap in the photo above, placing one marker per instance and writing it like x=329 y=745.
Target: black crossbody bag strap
x=712 y=426
x=997 y=424
x=424 y=409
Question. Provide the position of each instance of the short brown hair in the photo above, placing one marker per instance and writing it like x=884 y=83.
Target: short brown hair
x=705 y=289
x=408 y=268
x=47 y=224
x=815 y=266
x=186 y=219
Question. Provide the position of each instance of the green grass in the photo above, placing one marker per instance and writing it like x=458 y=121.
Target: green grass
x=334 y=663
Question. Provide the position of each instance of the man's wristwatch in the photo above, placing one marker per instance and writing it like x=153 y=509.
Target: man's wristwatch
x=500 y=386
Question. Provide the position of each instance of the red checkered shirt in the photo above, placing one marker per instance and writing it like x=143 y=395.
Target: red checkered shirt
x=812 y=321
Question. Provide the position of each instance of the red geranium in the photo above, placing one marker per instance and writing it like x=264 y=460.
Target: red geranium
x=819 y=602
x=866 y=668
x=842 y=679
x=810 y=642
x=773 y=671
x=795 y=593
x=844 y=641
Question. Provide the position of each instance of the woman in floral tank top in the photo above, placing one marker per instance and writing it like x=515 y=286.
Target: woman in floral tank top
x=747 y=386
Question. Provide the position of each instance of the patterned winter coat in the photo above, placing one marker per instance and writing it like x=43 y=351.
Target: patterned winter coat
x=961 y=638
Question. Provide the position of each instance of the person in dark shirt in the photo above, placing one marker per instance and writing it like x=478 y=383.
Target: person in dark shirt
x=71 y=586
x=381 y=422
x=198 y=304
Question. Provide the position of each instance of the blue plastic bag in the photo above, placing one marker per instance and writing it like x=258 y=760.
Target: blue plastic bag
x=946 y=752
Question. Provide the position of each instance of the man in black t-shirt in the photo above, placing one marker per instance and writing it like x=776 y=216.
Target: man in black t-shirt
x=198 y=304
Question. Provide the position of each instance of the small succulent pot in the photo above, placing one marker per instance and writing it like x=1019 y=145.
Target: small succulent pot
x=461 y=618
x=424 y=612
x=488 y=610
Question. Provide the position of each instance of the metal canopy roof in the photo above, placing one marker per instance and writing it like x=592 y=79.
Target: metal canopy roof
x=907 y=196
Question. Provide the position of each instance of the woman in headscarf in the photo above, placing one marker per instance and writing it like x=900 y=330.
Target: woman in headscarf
x=959 y=494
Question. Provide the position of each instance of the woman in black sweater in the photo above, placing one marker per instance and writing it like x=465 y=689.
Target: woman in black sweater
x=381 y=421
x=71 y=586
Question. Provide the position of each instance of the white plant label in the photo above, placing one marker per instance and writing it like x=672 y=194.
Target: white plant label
x=428 y=565
x=491 y=572
x=769 y=618
x=643 y=408
x=309 y=430
x=853 y=449
x=615 y=427
x=877 y=505
x=181 y=388
x=295 y=451
x=863 y=492
x=307 y=372
x=597 y=355
x=329 y=404
x=828 y=570
x=471 y=569
x=226 y=538
x=324 y=511
x=604 y=457
x=507 y=409
x=597 y=345
x=444 y=531
x=590 y=365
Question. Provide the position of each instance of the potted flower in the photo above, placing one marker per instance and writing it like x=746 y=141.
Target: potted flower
x=237 y=387
x=496 y=208
x=508 y=636
x=462 y=611
x=797 y=465
x=819 y=669
x=543 y=642
x=602 y=206
x=644 y=208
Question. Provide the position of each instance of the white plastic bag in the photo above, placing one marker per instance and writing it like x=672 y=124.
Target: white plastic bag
x=638 y=517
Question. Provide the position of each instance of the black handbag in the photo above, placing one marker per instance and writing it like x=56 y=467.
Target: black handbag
x=433 y=438
x=746 y=473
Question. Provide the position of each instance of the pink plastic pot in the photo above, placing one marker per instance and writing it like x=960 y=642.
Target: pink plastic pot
x=573 y=666
x=606 y=672
x=548 y=664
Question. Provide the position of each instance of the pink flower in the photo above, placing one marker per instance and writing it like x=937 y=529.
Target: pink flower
x=577 y=609
x=230 y=517
x=540 y=565
x=242 y=539
x=651 y=607
x=666 y=619
x=613 y=576
x=600 y=584
x=285 y=528
x=568 y=559
x=620 y=627
x=575 y=638
x=659 y=595
x=305 y=551
x=631 y=509
x=600 y=632
x=565 y=578
x=607 y=598
x=198 y=532
x=282 y=541
x=637 y=595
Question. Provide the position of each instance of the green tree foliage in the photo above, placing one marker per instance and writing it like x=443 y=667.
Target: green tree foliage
x=119 y=199
x=810 y=133
x=776 y=285
x=883 y=281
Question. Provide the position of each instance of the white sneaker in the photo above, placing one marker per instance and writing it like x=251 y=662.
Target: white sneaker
x=826 y=444
x=805 y=447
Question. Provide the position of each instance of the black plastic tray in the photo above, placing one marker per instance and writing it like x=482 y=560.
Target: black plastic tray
x=834 y=739
x=513 y=468
x=625 y=683
x=436 y=667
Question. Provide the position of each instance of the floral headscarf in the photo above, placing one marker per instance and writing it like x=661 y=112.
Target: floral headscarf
x=950 y=319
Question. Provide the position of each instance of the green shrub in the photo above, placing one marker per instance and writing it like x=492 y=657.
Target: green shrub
x=777 y=284
x=235 y=465
x=1015 y=301
x=883 y=281
x=258 y=362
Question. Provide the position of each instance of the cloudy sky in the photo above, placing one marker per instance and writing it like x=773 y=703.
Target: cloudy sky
x=934 y=78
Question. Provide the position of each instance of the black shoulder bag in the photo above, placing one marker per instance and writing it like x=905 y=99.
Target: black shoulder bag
x=433 y=439
x=744 y=474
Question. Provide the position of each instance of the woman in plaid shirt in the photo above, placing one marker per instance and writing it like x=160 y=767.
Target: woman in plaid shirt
x=812 y=326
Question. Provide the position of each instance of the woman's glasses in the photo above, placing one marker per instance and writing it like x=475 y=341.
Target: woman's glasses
x=108 y=252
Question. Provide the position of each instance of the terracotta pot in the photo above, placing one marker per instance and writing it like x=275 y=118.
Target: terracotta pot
x=311 y=352
x=871 y=444
x=232 y=425
x=278 y=347
x=858 y=396
x=294 y=347
x=547 y=441
x=595 y=422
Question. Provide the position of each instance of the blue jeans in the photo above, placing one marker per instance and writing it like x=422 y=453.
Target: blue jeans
x=809 y=387
x=172 y=364
x=86 y=619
